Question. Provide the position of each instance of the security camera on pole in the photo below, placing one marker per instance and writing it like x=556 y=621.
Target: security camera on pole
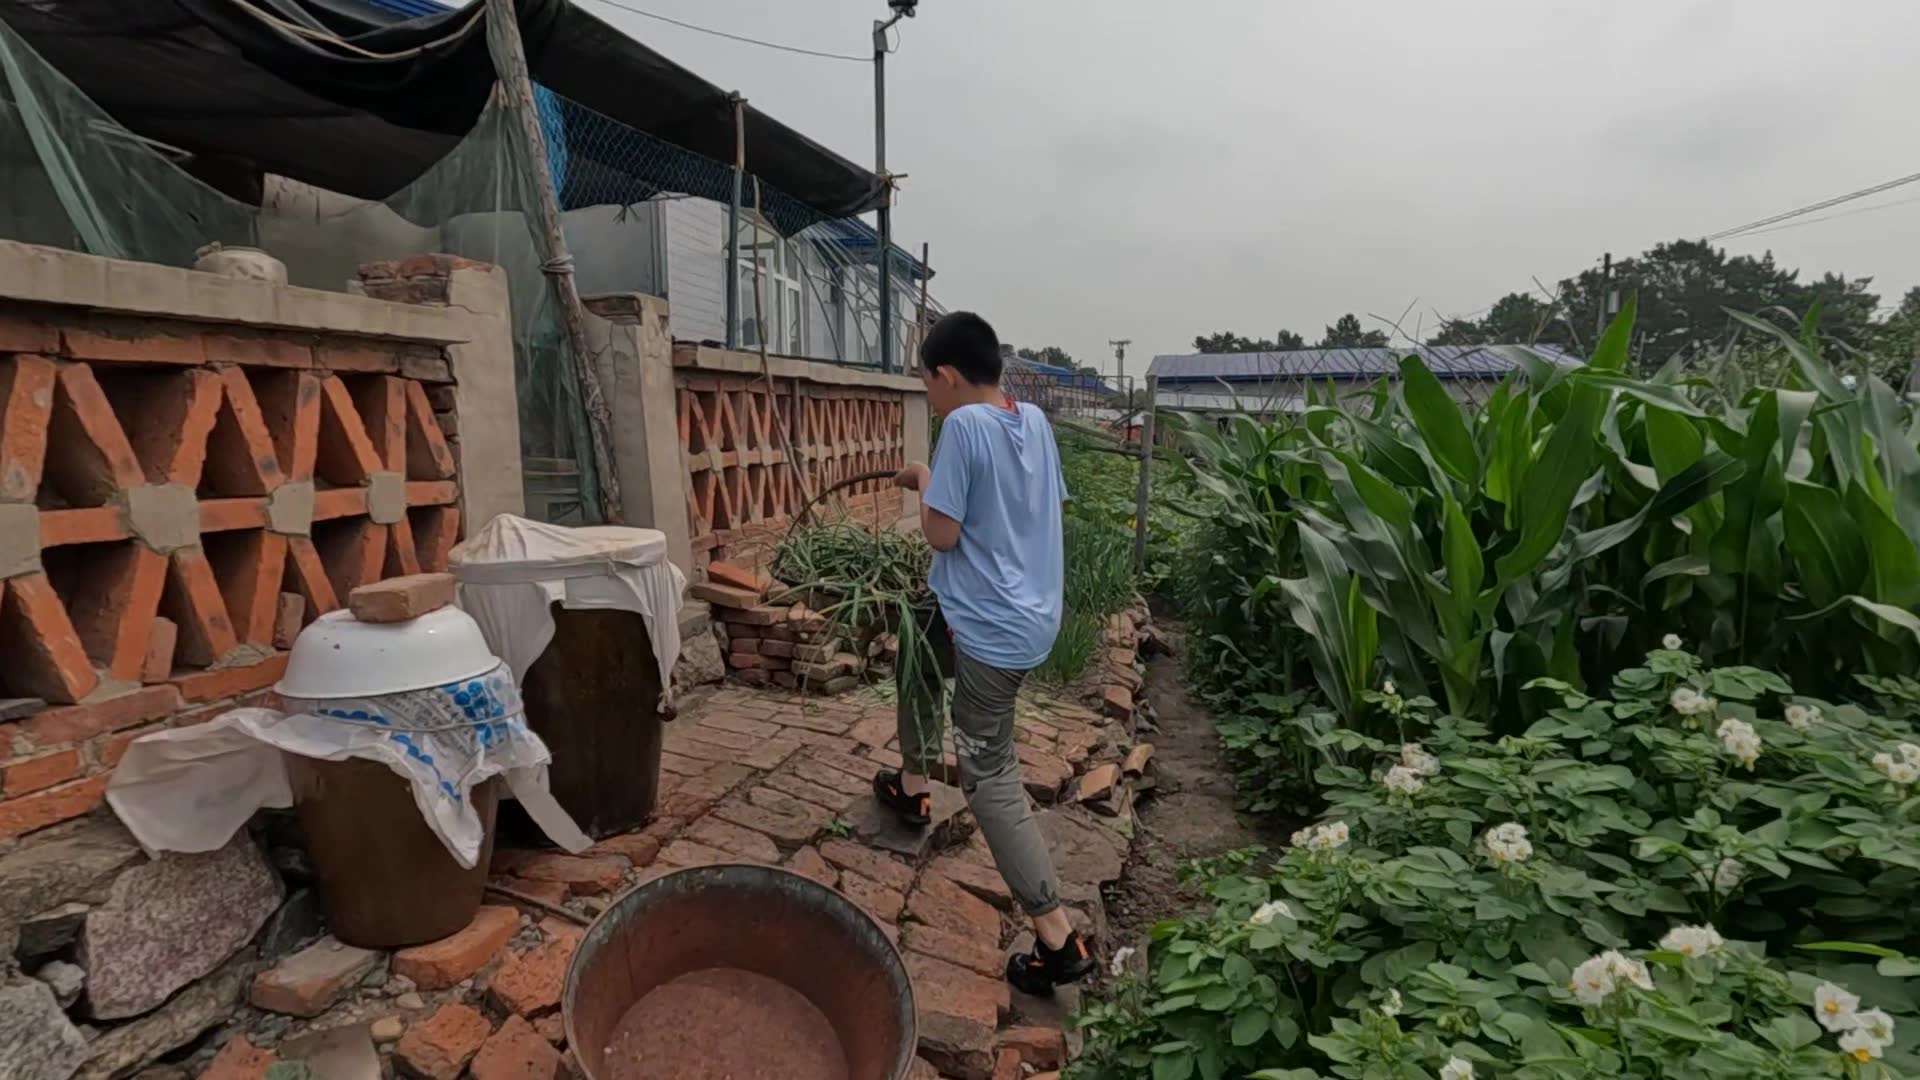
x=902 y=9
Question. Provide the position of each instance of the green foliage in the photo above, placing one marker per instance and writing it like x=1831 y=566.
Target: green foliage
x=1653 y=884
x=1226 y=341
x=1073 y=650
x=1560 y=529
x=1345 y=333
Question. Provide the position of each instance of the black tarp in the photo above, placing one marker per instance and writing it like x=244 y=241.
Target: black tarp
x=212 y=78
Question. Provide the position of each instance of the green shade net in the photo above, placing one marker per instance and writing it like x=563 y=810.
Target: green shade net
x=76 y=179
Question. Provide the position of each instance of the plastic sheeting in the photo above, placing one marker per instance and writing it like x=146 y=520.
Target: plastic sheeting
x=514 y=570
x=192 y=788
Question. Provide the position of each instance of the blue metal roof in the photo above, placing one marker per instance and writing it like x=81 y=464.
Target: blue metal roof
x=1445 y=361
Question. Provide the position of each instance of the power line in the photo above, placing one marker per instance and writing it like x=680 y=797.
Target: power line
x=1830 y=217
x=743 y=39
x=1813 y=207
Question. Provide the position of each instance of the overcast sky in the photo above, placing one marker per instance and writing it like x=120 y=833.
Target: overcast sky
x=1151 y=170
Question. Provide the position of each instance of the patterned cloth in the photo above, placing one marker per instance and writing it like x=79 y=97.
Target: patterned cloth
x=190 y=789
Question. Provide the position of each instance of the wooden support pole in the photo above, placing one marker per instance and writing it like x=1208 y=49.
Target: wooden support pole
x=510 y=64
x=1145 y=496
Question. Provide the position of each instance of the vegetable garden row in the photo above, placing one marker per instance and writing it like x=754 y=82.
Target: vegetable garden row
x=1594 y=706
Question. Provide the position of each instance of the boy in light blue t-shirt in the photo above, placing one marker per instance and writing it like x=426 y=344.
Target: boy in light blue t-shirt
x=991 y=509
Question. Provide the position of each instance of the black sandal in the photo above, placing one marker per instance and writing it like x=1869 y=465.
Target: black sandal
x=1039 y=971
x=915 y=811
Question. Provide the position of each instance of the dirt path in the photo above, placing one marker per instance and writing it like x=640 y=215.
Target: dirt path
x=1189 y=815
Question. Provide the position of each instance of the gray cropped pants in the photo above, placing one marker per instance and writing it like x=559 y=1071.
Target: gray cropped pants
x=983 y=725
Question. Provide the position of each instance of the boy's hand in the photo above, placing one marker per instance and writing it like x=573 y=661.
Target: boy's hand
x=914 y=477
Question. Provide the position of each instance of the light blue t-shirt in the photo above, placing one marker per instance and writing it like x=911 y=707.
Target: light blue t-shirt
x=997 y=472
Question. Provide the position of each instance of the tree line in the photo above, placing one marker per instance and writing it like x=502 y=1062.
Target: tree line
x=1685 y=288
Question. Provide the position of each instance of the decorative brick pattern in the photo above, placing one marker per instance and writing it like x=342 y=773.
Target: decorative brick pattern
x=742 y=491
x=165 y=487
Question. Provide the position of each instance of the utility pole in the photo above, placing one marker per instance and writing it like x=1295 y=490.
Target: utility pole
x=510 y=66
x=901 y=9
x=1143 y=498
x=1600 y=305
x=1119 y=358
x=733 y=220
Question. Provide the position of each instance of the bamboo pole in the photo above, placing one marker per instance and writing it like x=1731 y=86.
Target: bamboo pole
x=510 y=64
x=1144 y=496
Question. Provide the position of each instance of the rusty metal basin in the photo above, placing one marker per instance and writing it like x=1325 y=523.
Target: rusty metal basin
x=748 y=972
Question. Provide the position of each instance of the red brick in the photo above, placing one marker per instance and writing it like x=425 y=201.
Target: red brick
x=734 y=840
x=745 y=661
x=1098 y=782
x=238 y=1059
x=45 y=657
x=401 y=598
x=32 y=774
x=1137 y=758
x=135 y=340
x=250 y=580
x=310 y=576
x=529 y=982
x=876 y=730
x=440 y=964
x=975 y=954
x=1042 y=773
x=440 y=1046
x=583 y=875
x=28 y=334
x=346 y=456
x=552 y=892
x=638 y=848
x=434 y=529
x=982 y=880
x=779 y=815
x=808 y=791
x=157 y=667
x=1117 y=702
x=255 y=349
x=705 y=789
x=240 y=453
x=26 y=404
x=552 y=1028
x=721 y=572
x=866 y=861
x=807 y=862
x=290 y=407
x=427 y=456
x=289 y=615
x=308 y=982
x=193 y=600
x=1040 y=1047
x=687 y=854
x=51 y=806
x=941 y=904
x=110 y=749
x=79 y=723
x=731 y=597
x=810 y=717
x=959 y=1012
x=403 y=554
x=232 y=682
x=872 y=897
x=1006 y=1065
x=518 y=1051
x=738 y=725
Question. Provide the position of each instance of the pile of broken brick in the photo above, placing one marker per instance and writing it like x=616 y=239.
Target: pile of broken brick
x=770 y=637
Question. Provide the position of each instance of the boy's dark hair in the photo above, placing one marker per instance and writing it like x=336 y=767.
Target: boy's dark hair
x=964 y=342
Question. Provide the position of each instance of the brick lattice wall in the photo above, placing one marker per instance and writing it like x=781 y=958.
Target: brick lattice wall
x=741 y=490
x=176 y=500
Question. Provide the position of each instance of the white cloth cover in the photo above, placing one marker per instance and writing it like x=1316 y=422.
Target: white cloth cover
x=512 y=571
x=190 y=789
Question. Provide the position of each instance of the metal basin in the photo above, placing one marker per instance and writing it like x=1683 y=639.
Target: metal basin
x=742 y=971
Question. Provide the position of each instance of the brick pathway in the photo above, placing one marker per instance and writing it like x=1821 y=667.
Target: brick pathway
x=767 y=777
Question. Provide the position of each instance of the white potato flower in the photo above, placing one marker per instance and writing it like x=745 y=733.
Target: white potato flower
x=1402 y=781
x=1322 y=837
x=1903 y=772
x=1909 y=753
x=1267 y=912
x=1860 y=1046
x=1803 y=717
x=1726 y=875
x=1457 y=1068
x=1628 y=970
x=1692 y=940
x=1834 y=1007
x=1592 y=981
x=1876 y=1023
x=1414 y=757
x=1739 y=739
x=1508 y=843
x=1671 y=642
x=1118 y=965
x=1388 y=688
x=1392 y=1005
